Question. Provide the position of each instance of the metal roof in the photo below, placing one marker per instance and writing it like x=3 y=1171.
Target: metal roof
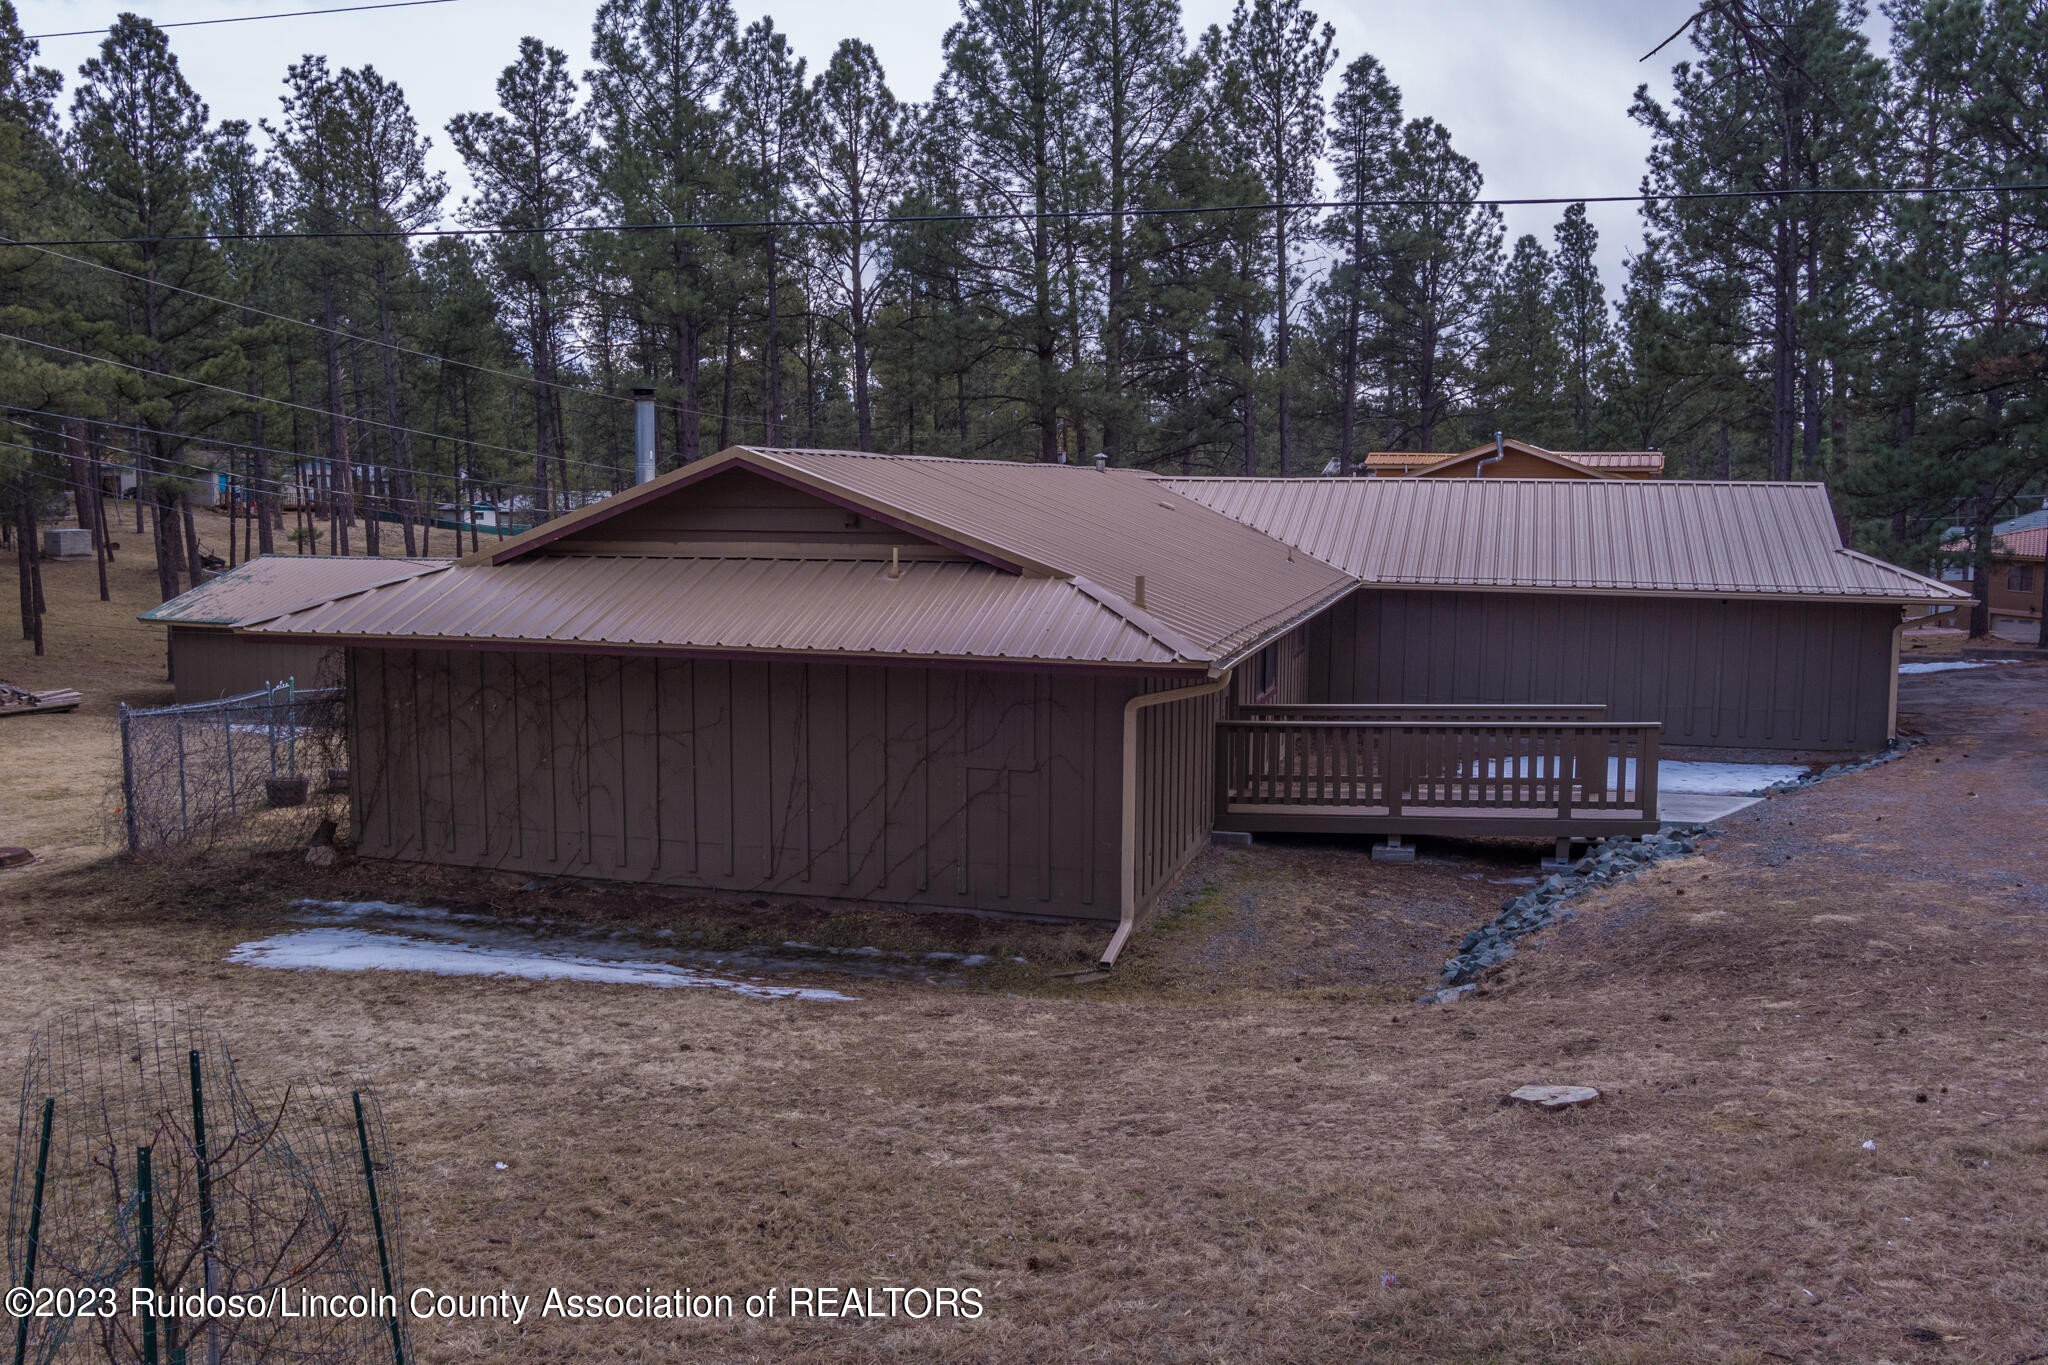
x=1571 y=535
x=2028 y=542
x=954 y=609
x=1216 y=584
x=269 y=584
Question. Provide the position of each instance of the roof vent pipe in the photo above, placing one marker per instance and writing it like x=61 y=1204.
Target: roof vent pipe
x=1499 y=453
x=1101 y=460
x=643 y=435
x=1138 y=598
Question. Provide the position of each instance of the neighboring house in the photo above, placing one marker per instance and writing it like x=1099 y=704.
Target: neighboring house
x=2019 y=564
x=207 y=658
x=990 y=685
x=1517 y=460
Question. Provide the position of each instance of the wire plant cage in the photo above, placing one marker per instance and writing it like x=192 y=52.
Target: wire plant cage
x=162 y=1211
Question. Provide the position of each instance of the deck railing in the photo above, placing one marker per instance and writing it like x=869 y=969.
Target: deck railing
x=1394 y=769
x=1471 y=714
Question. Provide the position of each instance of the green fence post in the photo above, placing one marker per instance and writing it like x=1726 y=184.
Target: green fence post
x=146 y=1215
x=377 y=1222
x=35 y=1231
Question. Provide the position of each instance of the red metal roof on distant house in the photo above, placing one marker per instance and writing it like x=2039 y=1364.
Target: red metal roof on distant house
x=2031 y=543
x=1553 y=535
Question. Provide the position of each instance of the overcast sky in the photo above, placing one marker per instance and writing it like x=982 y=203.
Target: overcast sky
x=1536 y=91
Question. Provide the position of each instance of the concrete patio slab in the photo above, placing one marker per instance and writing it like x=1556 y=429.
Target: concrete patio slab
x=1700 y=808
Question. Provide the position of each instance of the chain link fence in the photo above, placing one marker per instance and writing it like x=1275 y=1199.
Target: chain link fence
x=259 y=772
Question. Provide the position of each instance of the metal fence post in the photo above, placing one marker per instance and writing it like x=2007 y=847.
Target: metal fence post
x=146 y=1215
x=291 y=720
x=127 y=779
x=35 y=1229
x=227 y=735
x=377 y=1221
x=184 y=817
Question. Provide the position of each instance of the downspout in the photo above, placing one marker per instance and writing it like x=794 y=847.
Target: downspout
x=1128 y=915
x=1499 y=453
x=1898 y=640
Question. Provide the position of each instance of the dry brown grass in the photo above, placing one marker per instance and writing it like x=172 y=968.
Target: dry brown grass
x=1212 y=1160
x=56 y=770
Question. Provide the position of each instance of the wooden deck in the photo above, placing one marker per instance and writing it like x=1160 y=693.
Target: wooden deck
x=1563 y=775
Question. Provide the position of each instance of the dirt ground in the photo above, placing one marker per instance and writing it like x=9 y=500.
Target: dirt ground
x=1248 y=1145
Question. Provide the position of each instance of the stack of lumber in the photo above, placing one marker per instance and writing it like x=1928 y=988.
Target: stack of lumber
x=20 y=701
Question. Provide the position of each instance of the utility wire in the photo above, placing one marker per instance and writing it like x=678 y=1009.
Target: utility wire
x=137 y=459
x=320 y=327
x=244 y=18
x=1026 y=215
x=281 y=402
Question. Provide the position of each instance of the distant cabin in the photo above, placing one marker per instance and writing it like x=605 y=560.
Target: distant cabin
x=1518 y=460
x=2019 y=561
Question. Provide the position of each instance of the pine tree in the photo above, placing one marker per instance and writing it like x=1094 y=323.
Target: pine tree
x=666 y=157
x=1365 y=128
x=138 y=130
x=775 y=123
x=1584 y=328
x=1522 y=365
x=1011 y=68
x=1275 y=62
x=860 y=161
x=528 y=163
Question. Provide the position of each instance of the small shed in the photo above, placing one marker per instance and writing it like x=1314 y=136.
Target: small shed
x=208 y=659
x=1728 y=611
x=1516 y=460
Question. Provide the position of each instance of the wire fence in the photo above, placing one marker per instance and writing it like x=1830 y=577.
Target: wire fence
x=257 y=772
x=162 y=1211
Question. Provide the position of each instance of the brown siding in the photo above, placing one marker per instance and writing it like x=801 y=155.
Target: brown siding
x=1765 y=675
x=984 y=790
x=741 y=506
x=1290 y=664
x=216 y=663
x=2007 y=600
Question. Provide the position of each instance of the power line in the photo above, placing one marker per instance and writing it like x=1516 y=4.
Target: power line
x=244 y=18
x=321 y=327
x=1028 y=215
x=281 y=402
x=136 y=461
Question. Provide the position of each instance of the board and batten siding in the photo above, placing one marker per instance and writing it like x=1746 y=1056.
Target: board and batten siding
x=210 y=662
x=985 y=790
x=1717 y=673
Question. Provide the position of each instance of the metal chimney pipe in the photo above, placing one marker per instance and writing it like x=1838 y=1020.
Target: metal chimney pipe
x=1101 y=459
x=643 y=435
x=1499 y=454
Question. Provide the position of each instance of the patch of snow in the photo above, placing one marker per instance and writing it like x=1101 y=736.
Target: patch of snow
x=1951 y=665
x=359 y=950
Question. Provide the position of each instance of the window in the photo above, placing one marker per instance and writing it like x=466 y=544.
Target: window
x=1269 y=672
x=2020 y=578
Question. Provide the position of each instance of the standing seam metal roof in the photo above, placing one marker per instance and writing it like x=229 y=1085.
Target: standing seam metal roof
x=931 y=609
x=1570 y=535
x=269 y=584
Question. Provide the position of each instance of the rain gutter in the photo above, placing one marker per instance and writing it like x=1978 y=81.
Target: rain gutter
x=1128 y=914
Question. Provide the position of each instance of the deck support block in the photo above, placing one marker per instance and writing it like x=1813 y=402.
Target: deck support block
x=1392 y=850
x=1563 y=861
x=1234 y=838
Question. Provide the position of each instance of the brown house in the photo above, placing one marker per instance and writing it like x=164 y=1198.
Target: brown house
x=208 y=659
x=1517 y=460
x=996 y=686
x=2019 y=562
